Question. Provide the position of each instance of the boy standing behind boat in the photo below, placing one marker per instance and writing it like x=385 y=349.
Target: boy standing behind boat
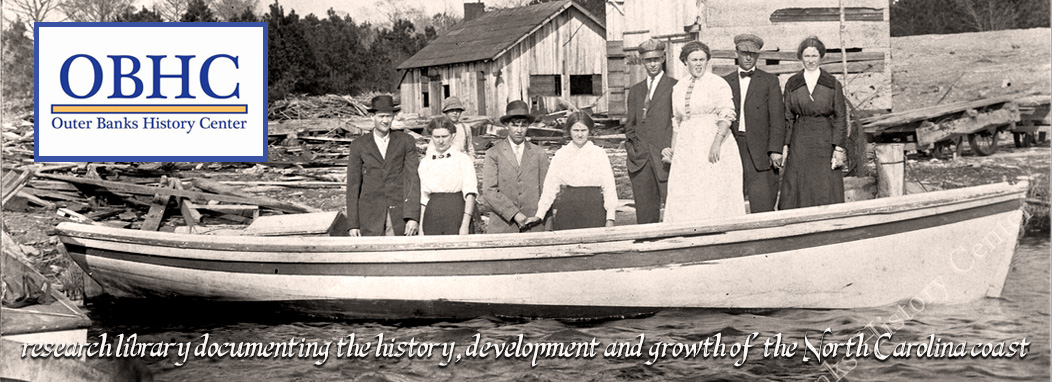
x=383 y=187
x=513 y=173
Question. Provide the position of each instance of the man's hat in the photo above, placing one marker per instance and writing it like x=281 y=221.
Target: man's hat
x=748 y=43
x=383 y=103
x=517 y=109
x=452 y=103
x=651 y=49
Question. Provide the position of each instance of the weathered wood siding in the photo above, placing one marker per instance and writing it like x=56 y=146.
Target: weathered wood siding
x=569 y=44
x=782 y=25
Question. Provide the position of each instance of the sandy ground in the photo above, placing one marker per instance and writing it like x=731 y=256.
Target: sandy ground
x=968 y=66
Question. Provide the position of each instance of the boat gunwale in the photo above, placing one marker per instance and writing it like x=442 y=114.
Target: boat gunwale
x=70 y=232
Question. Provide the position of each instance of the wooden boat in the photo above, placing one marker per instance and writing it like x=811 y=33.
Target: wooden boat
x=948 y=246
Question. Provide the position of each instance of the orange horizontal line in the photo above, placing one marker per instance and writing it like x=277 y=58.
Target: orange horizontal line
x=149 y=109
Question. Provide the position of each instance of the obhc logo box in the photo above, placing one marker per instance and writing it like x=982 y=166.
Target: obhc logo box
x=151 y=92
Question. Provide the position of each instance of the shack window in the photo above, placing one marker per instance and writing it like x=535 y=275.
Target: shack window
x=427 y=99
x=589 y=84
x=546 y=85
x=445 y=91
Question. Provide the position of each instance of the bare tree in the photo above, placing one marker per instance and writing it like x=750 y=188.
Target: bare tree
x=93 y=10
x=988 y=15
x=32 y=11
x=228 y=9
x=172 y=10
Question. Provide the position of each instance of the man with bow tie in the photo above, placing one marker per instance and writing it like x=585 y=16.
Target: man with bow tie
x=648 y=130
x=760 y=126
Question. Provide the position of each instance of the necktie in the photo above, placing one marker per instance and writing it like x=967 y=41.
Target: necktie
x=518 y=154
x=650 y=90
x=746 y=74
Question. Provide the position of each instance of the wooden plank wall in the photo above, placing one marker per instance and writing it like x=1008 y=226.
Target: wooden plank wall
x=782 y=25
x=568 y=45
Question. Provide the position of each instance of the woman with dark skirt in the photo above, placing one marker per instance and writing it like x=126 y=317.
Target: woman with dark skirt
x=448 y=186
x=814 y=110
x=579 y=185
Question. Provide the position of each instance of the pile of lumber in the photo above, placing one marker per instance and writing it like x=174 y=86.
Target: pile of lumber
x=326 y=106
x=79 y=193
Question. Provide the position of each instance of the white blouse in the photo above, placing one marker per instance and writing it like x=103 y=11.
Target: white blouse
x=453 y=171
x=587 y=166
x=811 y=78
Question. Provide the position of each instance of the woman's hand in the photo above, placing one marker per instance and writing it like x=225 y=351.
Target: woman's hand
x=714 y=152
x=464 y=229
x=531 y=221
x=666 y=155
x=839 y=159
x=609 y=223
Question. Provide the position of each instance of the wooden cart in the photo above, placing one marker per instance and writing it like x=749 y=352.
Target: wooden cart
x=941 y=130
x=1034 y=121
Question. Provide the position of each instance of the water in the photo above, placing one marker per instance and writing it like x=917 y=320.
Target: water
x=1022 y=312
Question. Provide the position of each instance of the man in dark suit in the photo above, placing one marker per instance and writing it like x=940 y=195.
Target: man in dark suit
x=383 y=186
x=512 y=175
x=760 y=125
x=648 y=131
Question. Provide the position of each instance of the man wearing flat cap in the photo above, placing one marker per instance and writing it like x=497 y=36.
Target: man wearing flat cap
x=383 y=186
x=512 y=175
x=648 y=130
x=760 y=127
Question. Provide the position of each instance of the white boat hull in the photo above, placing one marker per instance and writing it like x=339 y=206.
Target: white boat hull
x=948 y=247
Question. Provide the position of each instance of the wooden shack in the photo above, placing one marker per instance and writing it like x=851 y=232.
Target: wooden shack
x=550 y=54
x=781 y=24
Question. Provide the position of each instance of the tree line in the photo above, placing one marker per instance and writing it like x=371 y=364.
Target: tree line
x=918 y=17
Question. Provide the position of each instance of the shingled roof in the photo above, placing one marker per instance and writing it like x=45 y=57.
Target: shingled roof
x=489 y=35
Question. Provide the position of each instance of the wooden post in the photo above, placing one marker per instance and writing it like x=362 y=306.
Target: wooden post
x=891 y=169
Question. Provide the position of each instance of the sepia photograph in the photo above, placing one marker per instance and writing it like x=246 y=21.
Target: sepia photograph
x=526 y=190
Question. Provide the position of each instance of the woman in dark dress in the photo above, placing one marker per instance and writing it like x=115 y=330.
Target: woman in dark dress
x=814 y=110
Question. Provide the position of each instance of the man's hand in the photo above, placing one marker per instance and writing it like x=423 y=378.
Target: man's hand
x=354 y=232
x=776 y=160
x=520 y=219
x=411 y=227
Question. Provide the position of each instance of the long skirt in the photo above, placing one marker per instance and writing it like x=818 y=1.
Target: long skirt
x=444 y=213
x=579 y=207
x=808 y=180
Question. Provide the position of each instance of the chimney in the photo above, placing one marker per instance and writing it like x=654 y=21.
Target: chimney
x=473 y=10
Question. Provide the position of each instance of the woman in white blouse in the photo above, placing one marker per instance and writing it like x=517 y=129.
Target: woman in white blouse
x=580 y=182
x=448 y=186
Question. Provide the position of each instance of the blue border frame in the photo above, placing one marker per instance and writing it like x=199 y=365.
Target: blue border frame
x=108 y=158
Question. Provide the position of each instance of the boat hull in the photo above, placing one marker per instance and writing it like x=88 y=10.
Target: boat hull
x=945 y=247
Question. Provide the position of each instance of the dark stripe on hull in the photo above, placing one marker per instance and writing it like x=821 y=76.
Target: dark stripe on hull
x=602 y=261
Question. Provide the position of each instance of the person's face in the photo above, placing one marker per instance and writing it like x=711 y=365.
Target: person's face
x=697 y=61
x=747 y=60
x=382 y=122
x=442 y=138
x=517 y=130
x=454 y=115
x=810 y=57
x=653 y=65
x=579 y=134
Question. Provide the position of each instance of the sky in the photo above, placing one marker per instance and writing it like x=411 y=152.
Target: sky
x=367 y=10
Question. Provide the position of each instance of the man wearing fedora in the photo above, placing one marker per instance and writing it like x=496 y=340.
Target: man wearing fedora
x=649 y=130
x=760 y=127
x=512 y=175
x=383 y=187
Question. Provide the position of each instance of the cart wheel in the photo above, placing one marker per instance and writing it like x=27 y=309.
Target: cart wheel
x=983 y=143
x=944 y=150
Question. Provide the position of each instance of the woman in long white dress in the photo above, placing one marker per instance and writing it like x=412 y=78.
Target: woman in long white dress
x=705 y=178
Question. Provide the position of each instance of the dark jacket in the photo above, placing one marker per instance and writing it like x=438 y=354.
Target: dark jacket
x=376 y=185
x=647 y=136
x=764 y=115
